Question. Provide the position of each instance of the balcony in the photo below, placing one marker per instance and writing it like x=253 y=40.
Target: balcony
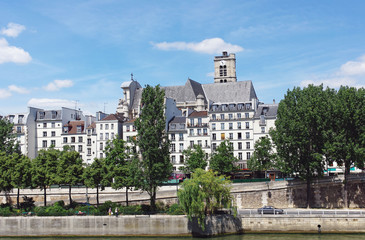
x=198 y=125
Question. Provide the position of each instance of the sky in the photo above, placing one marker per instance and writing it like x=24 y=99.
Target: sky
x=76 y=54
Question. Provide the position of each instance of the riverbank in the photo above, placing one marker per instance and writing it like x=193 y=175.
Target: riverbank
x=164 y=225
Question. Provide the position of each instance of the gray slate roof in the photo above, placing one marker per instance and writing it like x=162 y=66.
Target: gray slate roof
x=230 y=92
x=272 y=110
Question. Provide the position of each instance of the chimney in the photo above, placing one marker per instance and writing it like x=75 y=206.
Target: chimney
x=273 y=101
x=225 y=54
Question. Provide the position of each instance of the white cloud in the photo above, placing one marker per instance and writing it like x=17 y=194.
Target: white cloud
x=13 y=30
x=4 y=93
x=17 y=89
x=210 y=46
x=349 y=74
x=49 y=103
x=354 y=67
x=12 y=54
x=58 y=84
x=210 y=74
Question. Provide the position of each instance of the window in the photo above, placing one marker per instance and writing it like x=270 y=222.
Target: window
x=230 y=116
x=247 y=125
x=230 y=125
x=44 y=125
x=89 y=141
x=18 y=129
x=73 y=147
x=214 y=136
x=191 y=121
x=181 y=147
x=80 y=139
x=112 y=126
x=238 y=115
x=240 y=145
x=200 y=143
x=247 y=135
x=199 y=132
x=231 y=136
x=53 y=143
x=214 y=146
x=20 y=118
x=239 y=135
x=101 y=155
x=173 y=159
x=248 y=145
x=72 y=139
x=101 y=126
x=101 y=136
x=89 y=151
x=106 y=126
x=181 y=136
x=65 y=140
x=222 y=116
x=248 y=155
x=54 y=114
x=53 y=133
x=128 y=138
x=106 y=136
x=199 y=121
x=205 y=131
x=213 y=126
x=206 y=143
x=239 y=156
x=112 y=136
x=65 y=129
x=172 y=136
x=247 y=115
x=191 y=132
x=181 y=159
x=44 y=143
x=223 y=136
x=238 y=125
x=191 y=144
x=44 y=134
x=262 y=129
x=79 y=129
x=222 y=126
x=41 y=115
x=173 y=147
x=101 y=146
x=128 y=128
x=53 y=124
x=214 y=117
x=80 y=148
x=89 y=131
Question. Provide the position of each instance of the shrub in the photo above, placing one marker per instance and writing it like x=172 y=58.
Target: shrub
x=6 y=211
x=175 y=209
x=27 y=204
x=55 y=210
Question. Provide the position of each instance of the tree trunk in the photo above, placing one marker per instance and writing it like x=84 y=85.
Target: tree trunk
x=126 y=195
x=153 y=199
x=17 y=199
x=308 y=190
x=345 y=186
x=44 y=196
x=97 y=196
x=69 y=193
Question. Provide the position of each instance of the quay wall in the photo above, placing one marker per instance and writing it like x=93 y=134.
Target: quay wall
x=161 y=225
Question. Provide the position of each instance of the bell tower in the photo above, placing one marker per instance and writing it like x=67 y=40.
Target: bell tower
x=225 y=68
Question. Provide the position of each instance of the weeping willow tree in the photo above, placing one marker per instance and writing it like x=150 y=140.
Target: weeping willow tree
x=204 y=194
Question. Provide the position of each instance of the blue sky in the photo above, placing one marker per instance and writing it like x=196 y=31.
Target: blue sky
x=68 y=53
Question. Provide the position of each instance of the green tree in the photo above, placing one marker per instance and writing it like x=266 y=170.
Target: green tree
x=69 y=169
x=263 y=158
x=299 y=137
x=346 y=142
x=195 y=157
x=155 y=166
x=120 y=168
x=6 y=171
x=44 y=169
x=204 y=193
x=8 y=142
x=21 y=174
x=222 y=160
x=94 y=175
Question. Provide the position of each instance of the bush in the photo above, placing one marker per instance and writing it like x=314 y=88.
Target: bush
x=87 y=209
x=175 y=209
x=55 y=210
x=27 y=204
x=6 y=211
x=131 y=210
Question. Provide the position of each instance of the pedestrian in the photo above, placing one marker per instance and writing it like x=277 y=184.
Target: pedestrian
x=116 y=212
x=110 y=211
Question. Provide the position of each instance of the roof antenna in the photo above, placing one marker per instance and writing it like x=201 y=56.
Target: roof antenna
x=132 y=76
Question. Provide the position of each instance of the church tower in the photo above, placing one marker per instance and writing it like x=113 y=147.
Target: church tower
x=225 y=68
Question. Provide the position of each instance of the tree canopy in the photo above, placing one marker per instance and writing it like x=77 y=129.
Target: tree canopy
x=222 y=160
x=195 y=157
x=8 y=142
x=264 y=157
x=155 y=166
x=94 y=175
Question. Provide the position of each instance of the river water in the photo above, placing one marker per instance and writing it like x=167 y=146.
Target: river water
x=230 y=237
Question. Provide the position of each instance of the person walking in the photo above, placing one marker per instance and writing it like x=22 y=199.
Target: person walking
x=110 y=211
x=116 y=212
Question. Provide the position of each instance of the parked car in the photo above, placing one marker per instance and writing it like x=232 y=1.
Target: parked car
x=270 y=210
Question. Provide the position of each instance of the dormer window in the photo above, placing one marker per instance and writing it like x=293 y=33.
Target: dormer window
x=20 y=119
x=79 y=129
x=11 y=118
x=65 y=129
x=41 y=115
x=54 y=114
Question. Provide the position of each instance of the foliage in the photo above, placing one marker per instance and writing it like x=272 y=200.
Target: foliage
x=155 y=166
x=195 y=157
x=6 y=170
x=263 y=157
x=69 y=168
x=44 y=169
x=8 y=142
x=222 y=160
x=27 y=204
x=22 y=175
x=203 y=194
x=93 y=175
x=346 y=137
x=175 y=209
x=6 y=211
x=302 y=121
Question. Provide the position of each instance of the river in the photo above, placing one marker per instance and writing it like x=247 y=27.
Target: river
x=230 y=237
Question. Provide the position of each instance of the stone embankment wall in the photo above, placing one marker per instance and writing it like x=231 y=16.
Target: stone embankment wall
x=325 y=193
x=161 y=225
